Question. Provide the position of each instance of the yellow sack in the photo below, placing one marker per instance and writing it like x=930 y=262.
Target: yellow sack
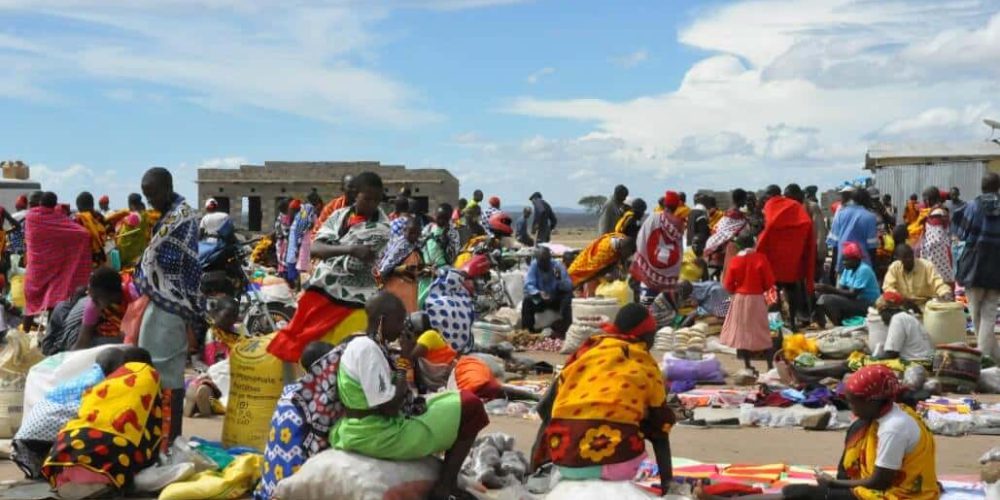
x=17 y=291
x=796 y=344
x=618 y=290
x=690 y=270
x=256 y=382
x=235 y=481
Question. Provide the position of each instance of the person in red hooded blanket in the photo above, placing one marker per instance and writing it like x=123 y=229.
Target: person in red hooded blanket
x=787 y=241
x=660 y=248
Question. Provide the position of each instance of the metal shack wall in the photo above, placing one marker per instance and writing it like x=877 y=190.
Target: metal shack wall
x=901 y=181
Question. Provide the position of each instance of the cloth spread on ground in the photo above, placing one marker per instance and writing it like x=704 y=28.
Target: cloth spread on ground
x=170 y=273
x=609 y=398
x=787 y=241
x=59 y=259
x=117 y=430
x=659 y=249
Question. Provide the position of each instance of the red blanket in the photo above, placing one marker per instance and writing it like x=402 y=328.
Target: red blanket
x=788 y=241
x=59 y=259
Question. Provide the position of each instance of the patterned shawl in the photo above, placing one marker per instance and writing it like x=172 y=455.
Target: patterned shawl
x=398 y=249
x=170 y=273
x=59 y=259
x=344 y=278
x=439 y=244
x=304 y=220
x=659 y=248
x=728 y=228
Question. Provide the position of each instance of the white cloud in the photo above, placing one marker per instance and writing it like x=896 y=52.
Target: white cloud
x=633 y=59
x=302 y=58
x=538 y=75
x=702 y=147
x=796 y=90
x=227 y=162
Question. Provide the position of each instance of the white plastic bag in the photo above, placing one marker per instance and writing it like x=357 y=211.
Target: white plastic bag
x=55 y=369
x=219 y=373
x=989 y=380
x=348 y=476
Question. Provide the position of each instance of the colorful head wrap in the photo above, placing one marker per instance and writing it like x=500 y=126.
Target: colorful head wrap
x=295 y=205
x=852 y=250
x=874 y=382
x=671 y=200
x=646 y=325
x=890 y=299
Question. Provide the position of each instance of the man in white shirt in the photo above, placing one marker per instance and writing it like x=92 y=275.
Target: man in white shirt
x=213 y=221
x=907 y=339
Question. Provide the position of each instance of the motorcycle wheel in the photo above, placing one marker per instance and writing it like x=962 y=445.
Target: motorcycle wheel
x=257 y=324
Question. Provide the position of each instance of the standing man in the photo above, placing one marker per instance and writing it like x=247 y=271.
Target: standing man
x=891 y=212
x=547 y=287
x=612 y=210
x=954 y=203
x=350 y=191
x=819 y=226
x=697 y=222
x=170 y=276
x=978 y=226
x=854 y=223
x=545 y=219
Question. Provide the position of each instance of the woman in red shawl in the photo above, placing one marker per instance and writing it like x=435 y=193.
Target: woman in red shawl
x=789 y=244
x=659 y=248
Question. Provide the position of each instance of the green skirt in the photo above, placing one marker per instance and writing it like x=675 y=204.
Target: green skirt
x=402 y=438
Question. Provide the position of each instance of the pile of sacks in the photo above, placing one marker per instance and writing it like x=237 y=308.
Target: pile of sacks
x=494 y=463
x=583 y=328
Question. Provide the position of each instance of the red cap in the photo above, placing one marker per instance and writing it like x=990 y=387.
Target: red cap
x=671 y=200
x=104 y=200
x=851 y=249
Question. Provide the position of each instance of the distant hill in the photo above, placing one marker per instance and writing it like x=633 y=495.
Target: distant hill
x=575 y=218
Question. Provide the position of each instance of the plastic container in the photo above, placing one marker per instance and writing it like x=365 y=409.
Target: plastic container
x=945 y=322
x=490 y=334
x=877 y=330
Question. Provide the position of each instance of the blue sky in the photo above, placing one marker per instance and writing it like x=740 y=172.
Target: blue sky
x=566 y=97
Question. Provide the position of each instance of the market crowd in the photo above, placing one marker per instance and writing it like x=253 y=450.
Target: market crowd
x=382 y=325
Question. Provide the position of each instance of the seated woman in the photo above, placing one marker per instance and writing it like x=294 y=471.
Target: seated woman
x=377 y=422
x=90 y=318
x=60 y=405
x=856 y=290
x=115 y=435
x=306 y=411
x=888 y=453
x=608 y=399
x=609 y=250
x=401 y=265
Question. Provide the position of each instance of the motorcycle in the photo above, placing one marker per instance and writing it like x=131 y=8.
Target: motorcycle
x=483 y=280
x=227 y=271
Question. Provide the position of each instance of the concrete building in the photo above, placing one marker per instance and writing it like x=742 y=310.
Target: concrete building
x=251 y=194
x=904 y=169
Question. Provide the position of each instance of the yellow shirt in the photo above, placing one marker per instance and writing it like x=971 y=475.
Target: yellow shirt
x=921 y=285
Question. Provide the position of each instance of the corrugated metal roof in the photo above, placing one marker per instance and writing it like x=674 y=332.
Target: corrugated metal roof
x=967 y=150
